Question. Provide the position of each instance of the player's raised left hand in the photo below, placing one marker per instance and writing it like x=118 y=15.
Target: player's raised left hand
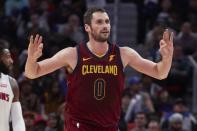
x=166 y=45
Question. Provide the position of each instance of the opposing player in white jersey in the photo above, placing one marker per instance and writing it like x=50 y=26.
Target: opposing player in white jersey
x=10 y=107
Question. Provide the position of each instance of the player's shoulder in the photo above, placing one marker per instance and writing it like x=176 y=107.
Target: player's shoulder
x=126 y=49
x=68 y=51
x=128 y=53
x=12 y=81
x=15 y=88
x=71 y=49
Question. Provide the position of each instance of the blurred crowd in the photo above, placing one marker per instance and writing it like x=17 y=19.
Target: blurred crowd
x=147 y=104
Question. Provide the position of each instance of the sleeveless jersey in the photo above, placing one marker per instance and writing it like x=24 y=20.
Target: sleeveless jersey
x=95 y=87
x=6 y=97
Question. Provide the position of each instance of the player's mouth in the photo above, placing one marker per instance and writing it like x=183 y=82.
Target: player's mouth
x=105 y=32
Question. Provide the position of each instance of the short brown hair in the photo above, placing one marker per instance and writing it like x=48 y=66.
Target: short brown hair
x=88 y=14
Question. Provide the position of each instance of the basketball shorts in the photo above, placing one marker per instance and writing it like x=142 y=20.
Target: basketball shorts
x=73 y=125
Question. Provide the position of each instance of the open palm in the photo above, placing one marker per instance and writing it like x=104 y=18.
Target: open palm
x=35 y=47
x=166 y=45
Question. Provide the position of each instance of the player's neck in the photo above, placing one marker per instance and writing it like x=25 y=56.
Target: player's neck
x=98 y=48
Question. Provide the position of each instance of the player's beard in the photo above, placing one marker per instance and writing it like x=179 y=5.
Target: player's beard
x=100 y=37
x=3 y=68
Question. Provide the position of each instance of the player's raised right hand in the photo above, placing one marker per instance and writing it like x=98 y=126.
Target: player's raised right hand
x=35 y=47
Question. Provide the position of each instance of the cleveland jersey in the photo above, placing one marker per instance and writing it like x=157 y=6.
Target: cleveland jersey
x=6 y=97
x=95 y=87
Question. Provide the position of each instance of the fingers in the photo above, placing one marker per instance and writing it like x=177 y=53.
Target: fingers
x=171 y=37
x=162 y=43
x=31 y=41
x=35 y=41
x=163 y=47
x=40 y=47
x=39 y=40
x=166 y=36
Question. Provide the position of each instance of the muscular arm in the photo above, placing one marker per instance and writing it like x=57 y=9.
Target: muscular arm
x=133 y=59
x=158 y=70
x=16 y=111
x=65 y=57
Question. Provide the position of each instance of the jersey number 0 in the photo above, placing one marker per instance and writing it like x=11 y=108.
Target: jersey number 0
x=99 y=89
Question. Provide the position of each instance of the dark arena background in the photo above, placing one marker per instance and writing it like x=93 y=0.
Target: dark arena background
x=147 y=104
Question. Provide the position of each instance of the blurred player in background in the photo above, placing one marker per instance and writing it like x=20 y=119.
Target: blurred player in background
x=10 y=107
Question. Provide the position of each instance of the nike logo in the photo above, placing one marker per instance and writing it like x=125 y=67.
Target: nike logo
x=85 y=59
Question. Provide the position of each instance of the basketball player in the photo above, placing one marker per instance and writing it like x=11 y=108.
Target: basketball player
x=96 y=73
x=9 y=95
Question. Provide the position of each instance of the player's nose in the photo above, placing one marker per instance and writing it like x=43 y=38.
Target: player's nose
x=11 y=61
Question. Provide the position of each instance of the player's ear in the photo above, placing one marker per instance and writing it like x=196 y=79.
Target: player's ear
x=87 y=28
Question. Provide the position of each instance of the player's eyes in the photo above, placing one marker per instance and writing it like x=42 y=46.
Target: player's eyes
x=102 y=21
x=107 y=21
x=99 y=22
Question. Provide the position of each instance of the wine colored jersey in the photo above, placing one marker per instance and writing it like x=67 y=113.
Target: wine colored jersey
x=95 y=87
